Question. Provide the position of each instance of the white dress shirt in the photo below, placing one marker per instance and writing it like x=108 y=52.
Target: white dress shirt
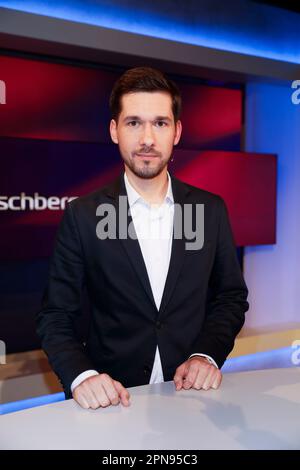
x=154 y=229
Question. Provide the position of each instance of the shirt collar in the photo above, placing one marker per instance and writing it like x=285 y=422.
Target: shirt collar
x=134 y=196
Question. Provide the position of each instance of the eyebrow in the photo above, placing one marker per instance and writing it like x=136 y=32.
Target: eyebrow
x=138 y=118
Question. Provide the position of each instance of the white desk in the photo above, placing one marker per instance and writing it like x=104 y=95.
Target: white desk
x=251 y=410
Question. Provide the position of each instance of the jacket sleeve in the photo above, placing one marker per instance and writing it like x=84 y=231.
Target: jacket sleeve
x=226 y=302
x=62 y=304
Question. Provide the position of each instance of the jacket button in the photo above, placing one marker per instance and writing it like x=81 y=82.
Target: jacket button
x=158 y=325
x=146 y=370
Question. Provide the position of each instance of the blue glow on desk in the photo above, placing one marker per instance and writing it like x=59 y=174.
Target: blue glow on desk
x=31 y=403
x=278 y=358
x=273 y=359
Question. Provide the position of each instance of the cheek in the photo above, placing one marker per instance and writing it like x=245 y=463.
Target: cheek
x=167 y=142
x=127 y=141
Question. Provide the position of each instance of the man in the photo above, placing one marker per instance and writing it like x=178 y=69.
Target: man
x=160 y=309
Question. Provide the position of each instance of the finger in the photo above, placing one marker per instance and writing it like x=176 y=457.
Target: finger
x=113 y=395
x=90 y=392
x=179 y=375
x=93 y=396
x=191 y=375
x=217 y=382
x=99 y=393
x=201 y=377
x=80 y=399
x=89 y=395
x=110 y=390
x=209 y=380
x=123 y=393
x=178 y=381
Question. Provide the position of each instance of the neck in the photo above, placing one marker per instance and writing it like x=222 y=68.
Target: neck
x=152 y=190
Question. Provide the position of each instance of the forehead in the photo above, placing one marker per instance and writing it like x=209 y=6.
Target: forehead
x=146 y=104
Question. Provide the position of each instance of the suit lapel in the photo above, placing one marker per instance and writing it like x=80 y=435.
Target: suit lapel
x=133 y=250
x=132 y=246
x=178 y=244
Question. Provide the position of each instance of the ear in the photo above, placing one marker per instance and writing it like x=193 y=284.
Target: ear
x=178 y=130
x=113 y=131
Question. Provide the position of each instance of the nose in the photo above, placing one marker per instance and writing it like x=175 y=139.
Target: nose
x=147 y=137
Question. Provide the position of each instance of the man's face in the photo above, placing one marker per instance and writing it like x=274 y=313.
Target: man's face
x=146 y=132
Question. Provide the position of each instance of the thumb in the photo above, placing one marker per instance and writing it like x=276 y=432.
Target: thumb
x=123 y=393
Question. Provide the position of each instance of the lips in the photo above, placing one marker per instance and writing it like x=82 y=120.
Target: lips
x=146 y=155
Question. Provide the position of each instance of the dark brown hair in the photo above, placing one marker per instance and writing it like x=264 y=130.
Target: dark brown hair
x=143 y=79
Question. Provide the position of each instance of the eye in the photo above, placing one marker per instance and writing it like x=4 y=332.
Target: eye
x=161 y=123
x=133 y=123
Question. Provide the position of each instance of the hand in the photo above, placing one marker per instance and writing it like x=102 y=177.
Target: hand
x=100 y=391
x=197 y=372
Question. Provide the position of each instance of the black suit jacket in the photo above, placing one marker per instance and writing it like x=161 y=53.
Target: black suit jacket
x=202 y=308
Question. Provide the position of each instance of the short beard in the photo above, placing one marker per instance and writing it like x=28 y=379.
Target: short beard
x=146 y=172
